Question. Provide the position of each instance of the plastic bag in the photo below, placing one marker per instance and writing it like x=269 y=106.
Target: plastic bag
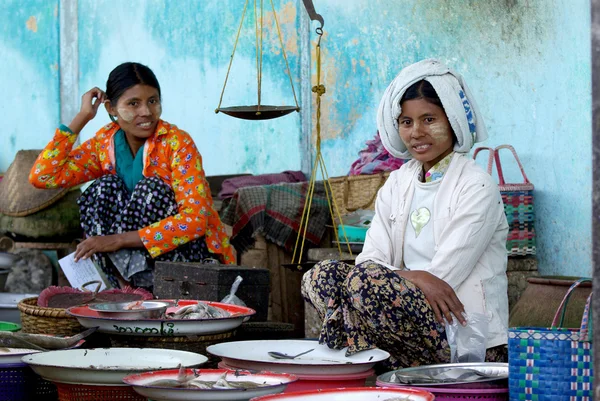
x=358 y=218
x=232 y=298
x=468 y=343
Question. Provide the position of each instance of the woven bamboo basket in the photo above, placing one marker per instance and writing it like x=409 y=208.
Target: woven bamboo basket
x=357 y=191
x=39 y=320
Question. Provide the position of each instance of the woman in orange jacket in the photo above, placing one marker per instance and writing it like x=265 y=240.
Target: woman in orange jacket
x=150 y=199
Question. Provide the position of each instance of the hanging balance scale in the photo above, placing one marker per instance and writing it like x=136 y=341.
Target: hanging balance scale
x=264 y=112
x=261 y=111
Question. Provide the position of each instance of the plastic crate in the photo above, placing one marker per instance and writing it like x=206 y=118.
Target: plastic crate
x=19 y=382
x=82 y=392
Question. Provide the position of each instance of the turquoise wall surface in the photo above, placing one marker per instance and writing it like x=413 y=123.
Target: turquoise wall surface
x=188 y=45
x=28 y=75
x=527 y=62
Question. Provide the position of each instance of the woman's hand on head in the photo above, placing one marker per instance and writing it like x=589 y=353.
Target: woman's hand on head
x=90 y=102
x=439 y=294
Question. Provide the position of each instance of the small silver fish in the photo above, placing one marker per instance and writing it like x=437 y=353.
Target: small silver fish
x=199 y=311
x=39 y=341
x=166 y=383
x=222 y=382
x=203 y=385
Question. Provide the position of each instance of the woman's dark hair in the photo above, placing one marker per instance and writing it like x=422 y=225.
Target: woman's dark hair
x=422 y=90
x=127 y=75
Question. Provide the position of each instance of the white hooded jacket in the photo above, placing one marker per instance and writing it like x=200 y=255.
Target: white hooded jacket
x=470 y=231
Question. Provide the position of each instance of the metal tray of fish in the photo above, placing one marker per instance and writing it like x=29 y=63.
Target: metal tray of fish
x=132 y=310
x=220 y=318
x=310 y=357
x=447 y=374
x=207 y=384
x=107 y=366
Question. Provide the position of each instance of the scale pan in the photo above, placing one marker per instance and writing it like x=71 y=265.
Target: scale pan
x=254 y=113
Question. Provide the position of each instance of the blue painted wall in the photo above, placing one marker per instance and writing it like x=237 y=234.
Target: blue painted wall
x=188 y=44
x=527 y=61
x=28 y=75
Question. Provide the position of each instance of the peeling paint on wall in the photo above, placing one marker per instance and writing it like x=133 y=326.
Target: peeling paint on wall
x=29 y=49
x=528 y=63
x=31 y=24
x=190 y=59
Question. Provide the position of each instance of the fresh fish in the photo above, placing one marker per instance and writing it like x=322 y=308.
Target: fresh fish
x=222 y=382
x=183 y=377
x=40 y=342
x=200 y=310
x=135 y=305
x=166 y=383
x=203 y=385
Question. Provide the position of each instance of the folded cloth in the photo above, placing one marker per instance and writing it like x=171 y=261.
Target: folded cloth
x=230 y=185
x=460 y=106
x=275 y=211
x=375 y=159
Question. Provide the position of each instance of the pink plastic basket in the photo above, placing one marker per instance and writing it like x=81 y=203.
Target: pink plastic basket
x=315 y=382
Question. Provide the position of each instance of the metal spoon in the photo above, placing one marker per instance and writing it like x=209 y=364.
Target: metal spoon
x=280 y=355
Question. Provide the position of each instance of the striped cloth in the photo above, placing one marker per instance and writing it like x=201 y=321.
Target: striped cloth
x=275 y=212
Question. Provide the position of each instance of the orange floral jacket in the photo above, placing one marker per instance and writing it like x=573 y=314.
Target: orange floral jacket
x=171 y=155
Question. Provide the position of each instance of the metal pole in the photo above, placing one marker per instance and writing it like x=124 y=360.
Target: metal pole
x=596 y=181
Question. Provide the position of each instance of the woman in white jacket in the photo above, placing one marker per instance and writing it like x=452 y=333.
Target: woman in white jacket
x=437 y=244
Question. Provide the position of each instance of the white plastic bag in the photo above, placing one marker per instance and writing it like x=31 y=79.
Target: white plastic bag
x=232 y=298
x=468 y=343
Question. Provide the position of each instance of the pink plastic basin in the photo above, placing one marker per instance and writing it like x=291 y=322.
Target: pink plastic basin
x=316 y=382
x=351 y=394
x=450 y=394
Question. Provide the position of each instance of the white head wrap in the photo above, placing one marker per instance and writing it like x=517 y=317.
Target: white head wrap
x=459 y=105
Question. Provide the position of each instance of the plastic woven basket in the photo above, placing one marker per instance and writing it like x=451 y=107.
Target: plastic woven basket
x=19 y=382
x=82 y=392
x=41 y=320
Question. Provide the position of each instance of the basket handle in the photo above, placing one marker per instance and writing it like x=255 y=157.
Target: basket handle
x=98 y=285
x=499 y=166
x=371 y=199
x=562 y=308
x=490 y=157
x=586 y=320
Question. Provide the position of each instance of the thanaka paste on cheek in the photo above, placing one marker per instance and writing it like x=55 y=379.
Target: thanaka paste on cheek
x=439 y=132
x=125 y=114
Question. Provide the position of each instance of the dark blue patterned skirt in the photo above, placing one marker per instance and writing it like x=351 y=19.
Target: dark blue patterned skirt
x=107 y=208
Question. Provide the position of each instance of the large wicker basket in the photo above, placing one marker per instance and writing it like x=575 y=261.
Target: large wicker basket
x=40 y=320
x=357 y=191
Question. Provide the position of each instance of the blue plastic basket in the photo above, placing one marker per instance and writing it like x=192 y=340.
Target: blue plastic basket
x=551 y=364
x=19 y=382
